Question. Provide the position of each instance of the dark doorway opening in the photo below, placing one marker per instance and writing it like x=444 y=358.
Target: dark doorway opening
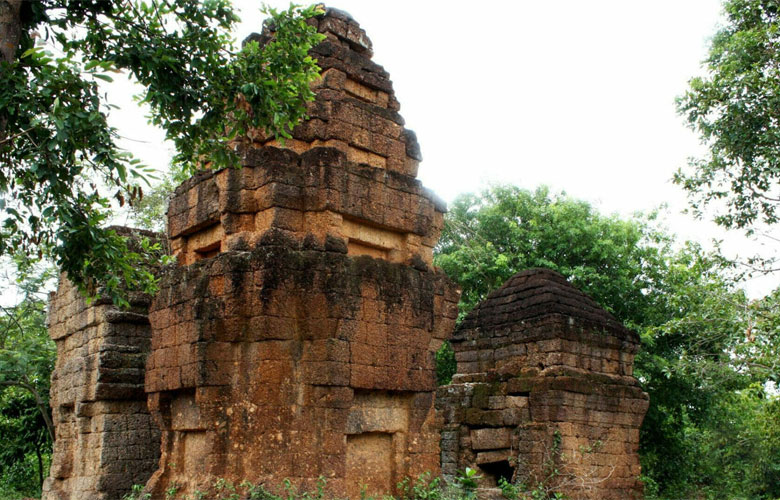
x=494 y=471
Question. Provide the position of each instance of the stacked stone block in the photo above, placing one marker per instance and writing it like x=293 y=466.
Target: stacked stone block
x=309 y=195
x=544 y=382
x=363 y=190
x=297 y=361
x=296 y=339
x=105 y=438
x=356 y=110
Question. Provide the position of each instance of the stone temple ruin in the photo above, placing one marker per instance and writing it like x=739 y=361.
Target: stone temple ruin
x=106 y=440
x=295 y=338
x=544 y=382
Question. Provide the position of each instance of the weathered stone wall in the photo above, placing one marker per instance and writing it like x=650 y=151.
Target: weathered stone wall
x=296 y=361
x=296 y=338
x=105 y=439
x=544 y=382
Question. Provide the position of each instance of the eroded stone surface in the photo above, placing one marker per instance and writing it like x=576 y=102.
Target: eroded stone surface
x=105 y=439
x=297 y=361
x=544 y=379
x=296 y=338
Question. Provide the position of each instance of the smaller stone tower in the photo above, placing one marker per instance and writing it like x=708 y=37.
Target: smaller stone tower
x=106 y=440
x=544 y=382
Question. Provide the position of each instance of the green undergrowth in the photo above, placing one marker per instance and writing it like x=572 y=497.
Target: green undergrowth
x=424 y=487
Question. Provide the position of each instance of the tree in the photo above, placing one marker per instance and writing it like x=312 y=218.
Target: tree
x=27 y=357
x=26 y=452
x=735 y=108
x=26 y=352
x=703 y=341
x=60 y=166
x=751 y=469
x=489 y=237
x=706 y=343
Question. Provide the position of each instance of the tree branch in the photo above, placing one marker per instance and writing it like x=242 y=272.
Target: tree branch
x=11 y=138
x=39 y=402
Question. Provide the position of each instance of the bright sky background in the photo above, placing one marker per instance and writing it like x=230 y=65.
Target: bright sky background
x=572 y=94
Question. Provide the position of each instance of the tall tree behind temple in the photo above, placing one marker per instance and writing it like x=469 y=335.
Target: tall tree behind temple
x=735 y=108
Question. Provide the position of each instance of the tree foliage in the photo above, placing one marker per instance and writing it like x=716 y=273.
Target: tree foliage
x=60 y=165
x=703 y=341
x=489 y=237
x=735 y=107
x=26 y=361
x=26 y=452
x=26 y=352
x=739 y=447
x=150 y=212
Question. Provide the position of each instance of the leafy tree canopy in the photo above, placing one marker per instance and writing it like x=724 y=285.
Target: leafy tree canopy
x=60 y=166
x=735 y=107
x=489 y=237
x=26 y=351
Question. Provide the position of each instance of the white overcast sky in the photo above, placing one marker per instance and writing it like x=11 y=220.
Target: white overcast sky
x=577 y=95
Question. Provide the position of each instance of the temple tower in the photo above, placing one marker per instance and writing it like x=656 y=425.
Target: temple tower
x=544 y=393
x=105 y=438
x=296 y=337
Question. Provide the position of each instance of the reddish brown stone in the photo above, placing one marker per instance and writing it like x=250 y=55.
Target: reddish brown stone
x=105 y=438
x=544 y=377
x=307 y=299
